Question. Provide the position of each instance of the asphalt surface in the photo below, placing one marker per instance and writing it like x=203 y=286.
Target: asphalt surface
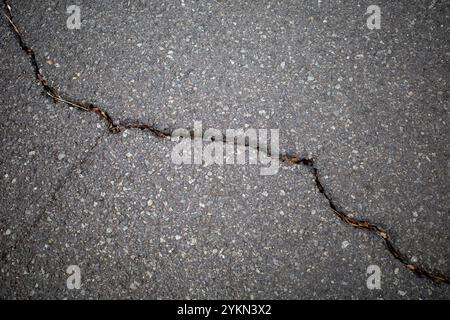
x=371 y=106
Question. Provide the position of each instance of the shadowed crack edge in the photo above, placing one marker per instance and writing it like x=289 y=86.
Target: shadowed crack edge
x=116 y=127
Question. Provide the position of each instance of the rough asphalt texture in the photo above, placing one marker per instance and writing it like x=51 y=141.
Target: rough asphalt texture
x=370 y=106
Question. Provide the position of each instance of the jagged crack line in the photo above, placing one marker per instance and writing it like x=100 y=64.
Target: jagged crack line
x=116 y=127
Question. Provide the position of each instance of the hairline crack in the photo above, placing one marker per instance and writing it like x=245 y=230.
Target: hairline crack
x=289 y=158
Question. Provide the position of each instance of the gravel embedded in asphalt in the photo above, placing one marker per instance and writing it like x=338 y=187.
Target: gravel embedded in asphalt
x=370 y=106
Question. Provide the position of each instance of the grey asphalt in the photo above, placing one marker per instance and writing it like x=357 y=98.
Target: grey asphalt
x=371 y=106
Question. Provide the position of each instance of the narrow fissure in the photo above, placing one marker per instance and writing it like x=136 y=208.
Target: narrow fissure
x=116 y=127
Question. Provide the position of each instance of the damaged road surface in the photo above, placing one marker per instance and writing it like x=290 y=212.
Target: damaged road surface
x=137 y=225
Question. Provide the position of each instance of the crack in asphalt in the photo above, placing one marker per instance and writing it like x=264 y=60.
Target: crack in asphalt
x=116 y=127
x=62 y=182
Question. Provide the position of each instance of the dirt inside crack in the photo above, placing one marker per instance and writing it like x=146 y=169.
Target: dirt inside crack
x=117 y=126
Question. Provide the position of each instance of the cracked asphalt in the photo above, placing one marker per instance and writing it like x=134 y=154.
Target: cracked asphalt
x=371 y=106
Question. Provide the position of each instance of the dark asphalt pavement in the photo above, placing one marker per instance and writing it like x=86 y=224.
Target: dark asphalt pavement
x=371 y=106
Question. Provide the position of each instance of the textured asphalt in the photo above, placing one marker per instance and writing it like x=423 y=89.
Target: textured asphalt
x=371 y=106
